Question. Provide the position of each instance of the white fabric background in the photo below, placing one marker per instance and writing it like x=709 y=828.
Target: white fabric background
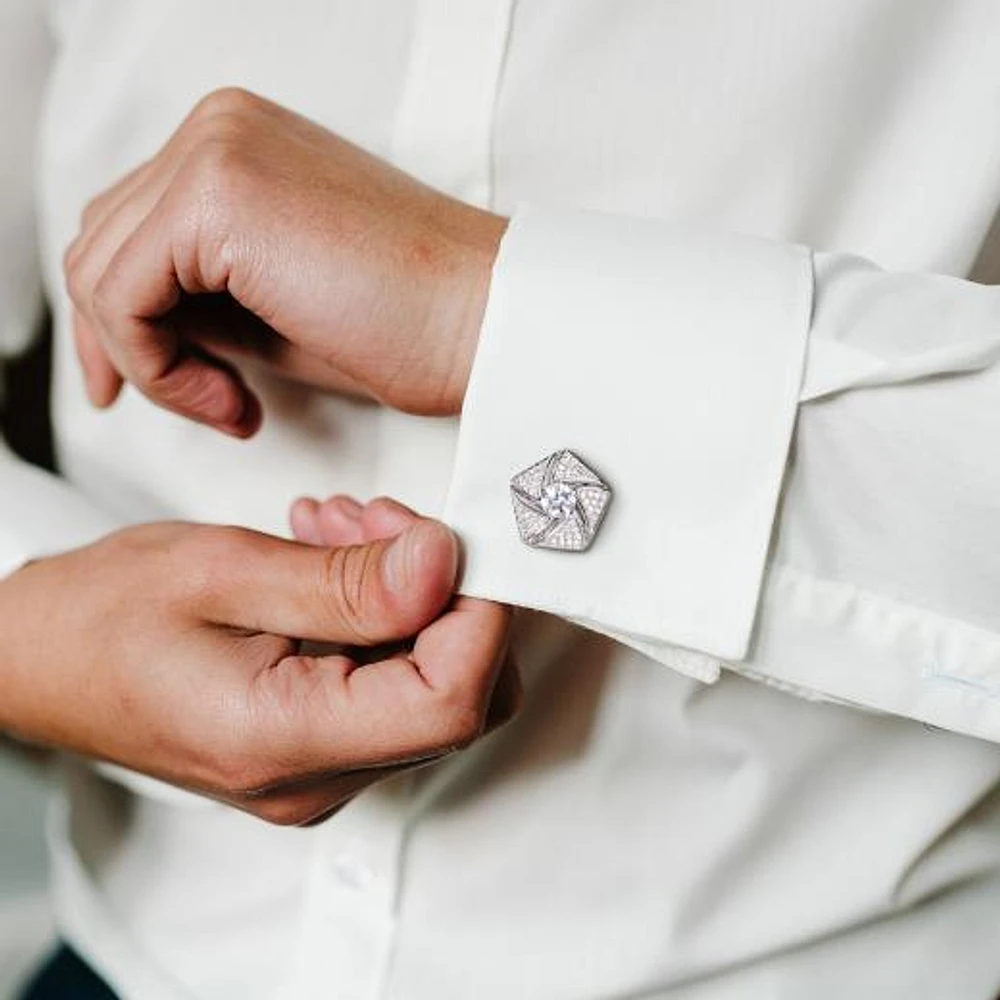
x=777 y=860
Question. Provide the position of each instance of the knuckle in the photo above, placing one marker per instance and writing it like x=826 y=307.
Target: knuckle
x=219 y=177
x=225 y=101
x=278 y=812
x=284 y=811
x=326 y=813
x=201 y=555
x=220 y=158
x=103 y=297
x=346 y=588
x=139 y=538
x=461 y=709
x=285 y=699
x=145 y=540
x=222 y=127
x=70 y=258
x=92 y=210
x=196 y=580
x=245 y=776
x=218 y=135
x=461 y=725
x=219 y=542
x=77 y=283
x=391 y=512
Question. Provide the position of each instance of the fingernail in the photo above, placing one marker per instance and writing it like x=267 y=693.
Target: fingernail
x=246 y=423
x=408 y=551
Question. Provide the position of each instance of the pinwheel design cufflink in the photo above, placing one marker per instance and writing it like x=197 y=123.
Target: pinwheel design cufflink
x=559 y=503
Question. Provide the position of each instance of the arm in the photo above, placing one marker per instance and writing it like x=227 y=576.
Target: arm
x=173 y=650
x=676 y=361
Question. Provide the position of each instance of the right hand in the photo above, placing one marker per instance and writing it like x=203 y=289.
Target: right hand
x=173 y=649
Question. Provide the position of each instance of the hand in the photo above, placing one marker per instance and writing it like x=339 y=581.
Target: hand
x=172 y=649
x=257 y=234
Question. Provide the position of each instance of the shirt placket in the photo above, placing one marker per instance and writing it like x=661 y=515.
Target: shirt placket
x=349 y=917
x=443 y=135
x=444 y=127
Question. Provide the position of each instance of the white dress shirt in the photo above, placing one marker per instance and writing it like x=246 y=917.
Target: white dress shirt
x=748 y=279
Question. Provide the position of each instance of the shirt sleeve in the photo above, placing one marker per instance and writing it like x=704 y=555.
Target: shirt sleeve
x=24 y=60
x=800 y=447
x=40 y=514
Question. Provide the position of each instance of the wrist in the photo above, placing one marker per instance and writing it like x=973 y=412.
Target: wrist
x=477 y=254
x=18 y=611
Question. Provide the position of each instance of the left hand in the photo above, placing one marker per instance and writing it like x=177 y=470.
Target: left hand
x=256 y=234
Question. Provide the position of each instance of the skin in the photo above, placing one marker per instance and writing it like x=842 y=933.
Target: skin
x=257 y=237
x=255 y=234
x=168 y=656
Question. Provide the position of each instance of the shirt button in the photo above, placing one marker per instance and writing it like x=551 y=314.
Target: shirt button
x=352 y=872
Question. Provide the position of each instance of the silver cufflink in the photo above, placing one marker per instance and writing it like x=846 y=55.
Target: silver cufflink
x=559 y=503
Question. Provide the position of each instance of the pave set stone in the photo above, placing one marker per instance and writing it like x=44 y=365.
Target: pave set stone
x=559 y=502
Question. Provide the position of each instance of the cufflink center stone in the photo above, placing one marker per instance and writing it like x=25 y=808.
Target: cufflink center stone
x=558 y=500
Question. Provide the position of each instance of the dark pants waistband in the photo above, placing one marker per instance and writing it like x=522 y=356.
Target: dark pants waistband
x=65 y=976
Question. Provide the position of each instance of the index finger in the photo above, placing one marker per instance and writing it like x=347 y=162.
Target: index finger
x=133 y=303
x=342 y=716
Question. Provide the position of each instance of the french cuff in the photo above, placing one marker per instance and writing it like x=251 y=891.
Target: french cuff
x=670 y=361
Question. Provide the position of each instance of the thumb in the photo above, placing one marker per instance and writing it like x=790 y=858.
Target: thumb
x=358 y=595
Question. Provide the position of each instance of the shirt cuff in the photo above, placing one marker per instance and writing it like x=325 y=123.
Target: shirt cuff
x=669 y=360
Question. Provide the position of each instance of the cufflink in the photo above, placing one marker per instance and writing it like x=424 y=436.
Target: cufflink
x=559 y=503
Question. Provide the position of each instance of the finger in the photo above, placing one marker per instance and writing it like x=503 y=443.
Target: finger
x=302 y=518
x=312 y=800
x=111 y=218
x=339 y=522
x=327 y=712
x=130 y=305
x=252 y=341
x=156 y=173
x=100 y=208
x=384 y=517
x=341 y=519
x=106 y=221
x=146 y=182
x=357 y=595
x=101 y=378
x=332 y=523
x=441 y=650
